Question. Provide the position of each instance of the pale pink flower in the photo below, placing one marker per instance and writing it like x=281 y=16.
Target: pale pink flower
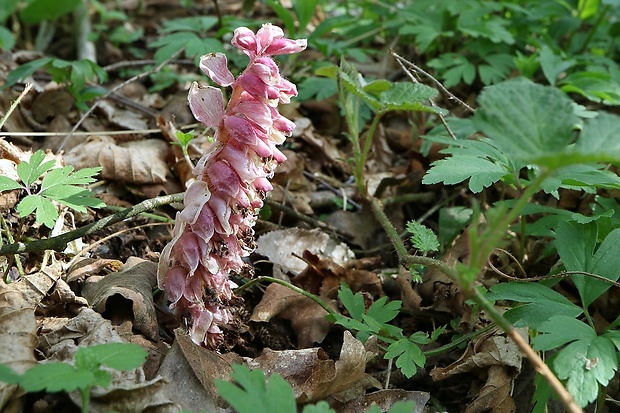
x=214 y=231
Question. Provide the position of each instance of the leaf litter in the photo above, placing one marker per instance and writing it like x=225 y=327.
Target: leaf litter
x=53 y=311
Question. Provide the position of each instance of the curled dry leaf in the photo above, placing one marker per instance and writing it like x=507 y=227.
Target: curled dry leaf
x=191 y=371
x=129 y=390
x=134 y=284
x=314 y=376
x=307 y=317
x=502 y=360
x=136 y=162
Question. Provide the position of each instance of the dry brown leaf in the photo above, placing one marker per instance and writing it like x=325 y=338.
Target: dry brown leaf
x=323 y=277
x=314 y=376
x=129 y=390
x=483 y=352
x=206 y=366
x=307 y=317
x=184 y=387
x=361 y=227
x=136 y=162
x=134 y=284
x=500 y=357
x=384 y=399
x=281 y=247
x=17 y=335
x=495 y=396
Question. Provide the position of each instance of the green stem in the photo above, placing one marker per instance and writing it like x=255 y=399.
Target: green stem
x=360 y=161
x=301 y=291
x=494 y=236
x=399 y=245
x=85 y=398
x=447 y=347
x=593 y=29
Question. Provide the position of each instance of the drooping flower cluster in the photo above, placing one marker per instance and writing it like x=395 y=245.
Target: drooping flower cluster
x=215 y=229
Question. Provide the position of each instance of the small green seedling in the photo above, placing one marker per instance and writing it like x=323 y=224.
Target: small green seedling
x=85 y=373
x=374 y=321
x=62 y=185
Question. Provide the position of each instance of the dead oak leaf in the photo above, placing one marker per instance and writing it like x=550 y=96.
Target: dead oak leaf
x=307 y=317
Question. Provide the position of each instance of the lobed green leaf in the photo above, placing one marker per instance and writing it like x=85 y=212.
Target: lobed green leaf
x=422 y=237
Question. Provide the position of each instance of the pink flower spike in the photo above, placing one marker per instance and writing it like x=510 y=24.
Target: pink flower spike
x=215 y=66
x=207 y=104
x=214 y=231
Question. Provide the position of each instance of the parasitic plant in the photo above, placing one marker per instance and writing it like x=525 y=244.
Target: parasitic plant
x=215 y=229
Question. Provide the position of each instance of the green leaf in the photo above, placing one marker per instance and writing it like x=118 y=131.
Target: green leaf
x=422 y=238
x=481 y=172
x=560 y=330
x=354 y=303
x=408 y=96
x=7 y=375
x=23 y=71
x=119 y=356
x=7 y=39
x=197 y=24
x=382 y=312
x=552 y=65
x=284 y=15
x=55 y=377
x=46 y=212
x=600 y=137
x=575 y=244
x=402 y=407
x=8 y=184
x=304 y=10
x=38 y=10
x=451 y=222
x=408 y=356
x=353 y=85
x=30 y=171
x=253 y=394
x=585 y=364
x=541 y=302
x=526 y=120
x=318 y=87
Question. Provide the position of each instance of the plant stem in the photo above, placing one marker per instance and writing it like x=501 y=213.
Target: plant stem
x=59 y=243
x=360 y=161
x=85 y=398
x=399 y=245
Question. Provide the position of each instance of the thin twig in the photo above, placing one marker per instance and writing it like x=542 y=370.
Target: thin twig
x=562 y=274
x=59 y=243
x=109 y=133
x=14 y=105
x=432 y=102
x=437 y=82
